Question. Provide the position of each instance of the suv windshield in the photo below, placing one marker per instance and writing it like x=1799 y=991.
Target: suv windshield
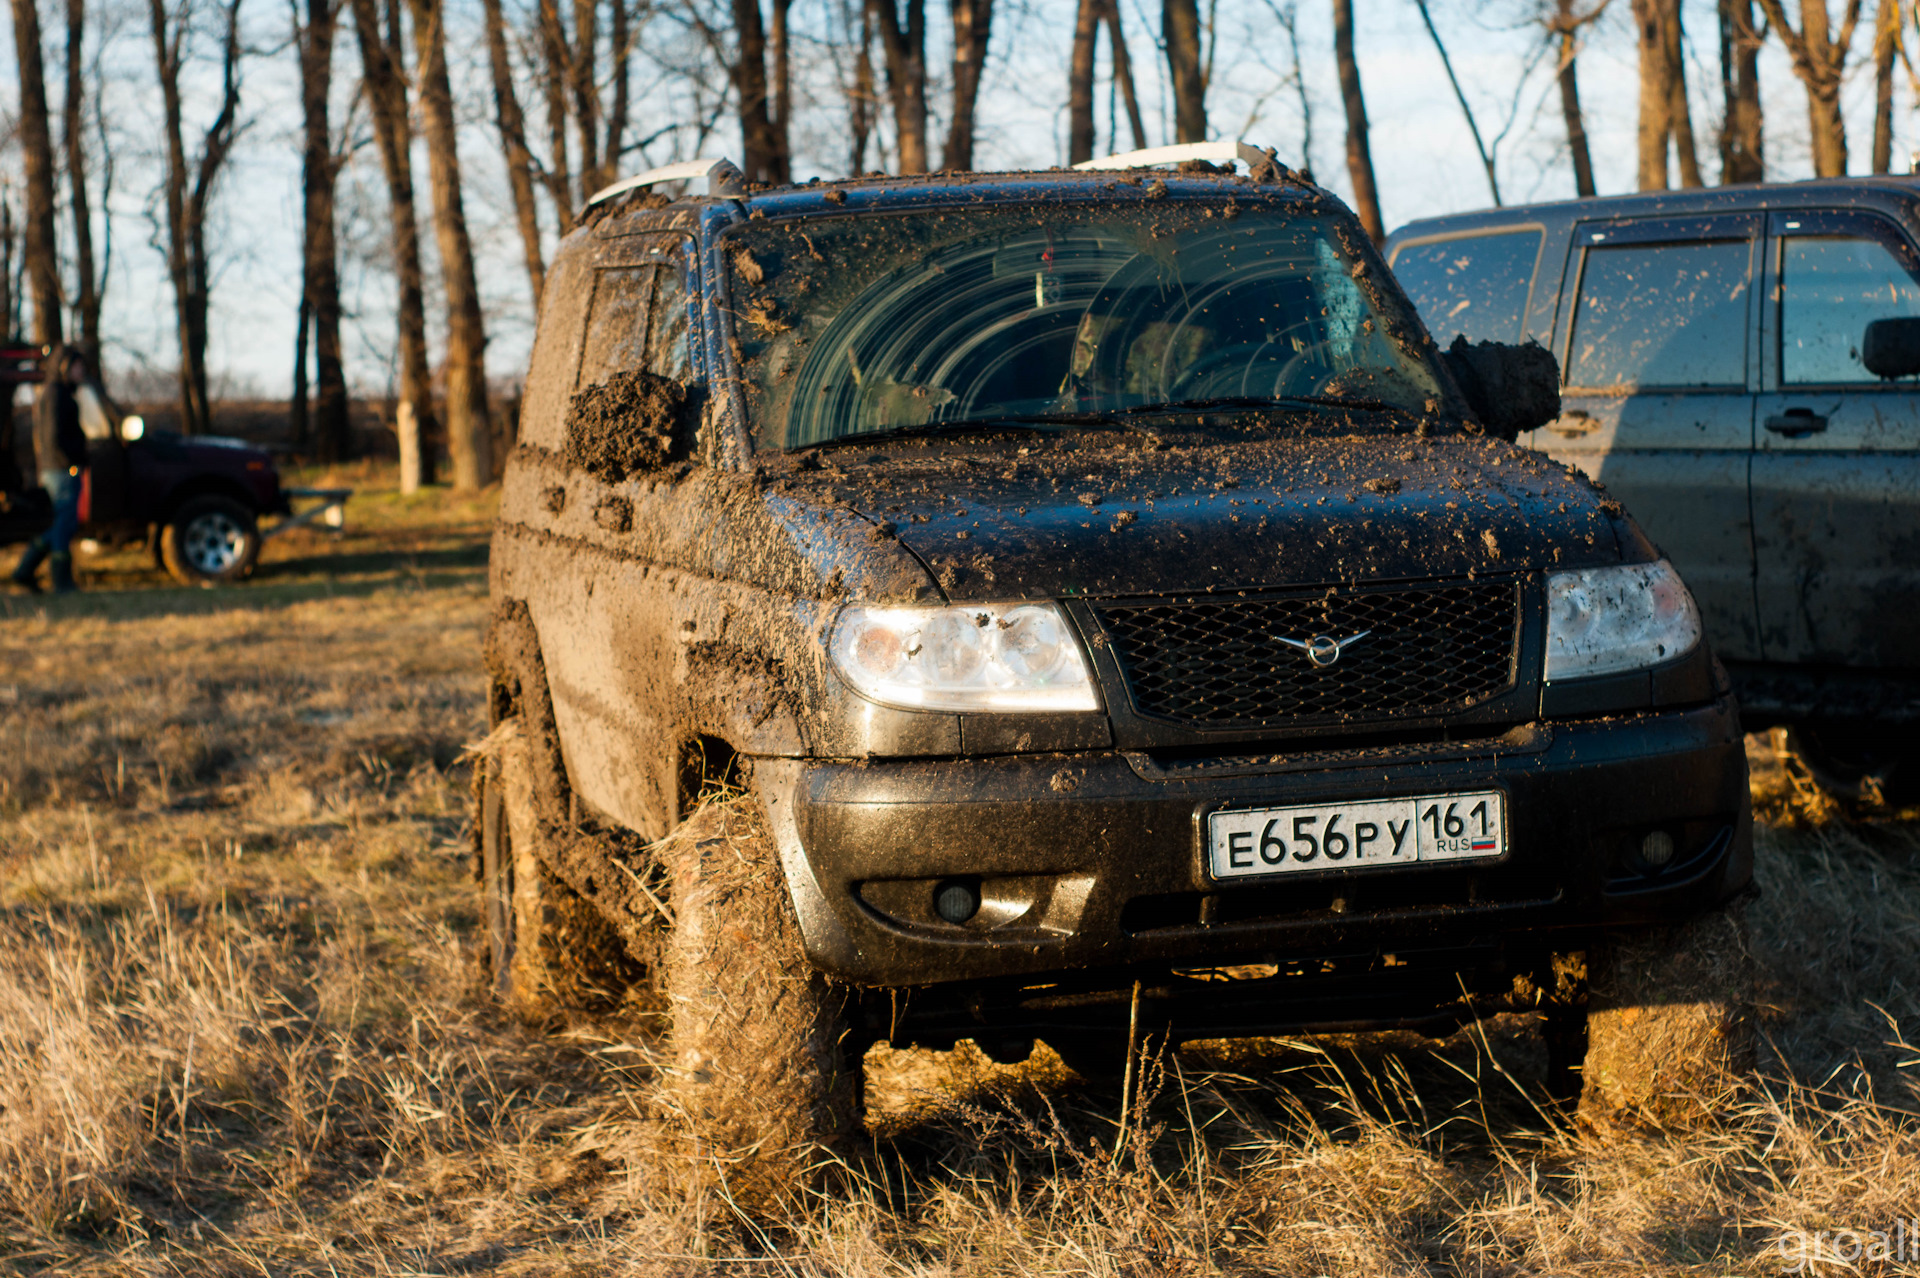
x=853 y=325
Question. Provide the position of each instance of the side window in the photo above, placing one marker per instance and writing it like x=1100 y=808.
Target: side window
x=1831 y=287
x=1477 y=285
x=1662 y=315
x=668 y=352
x=556 y=353
x=617 y=324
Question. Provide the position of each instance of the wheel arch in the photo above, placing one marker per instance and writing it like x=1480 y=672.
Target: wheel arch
x=206 y=486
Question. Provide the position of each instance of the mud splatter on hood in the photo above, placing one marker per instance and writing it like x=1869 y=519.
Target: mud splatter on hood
x=1116 y=520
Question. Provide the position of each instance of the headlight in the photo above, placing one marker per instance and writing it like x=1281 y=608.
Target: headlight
x=1012 y=656
x=1605 y=620
x=132 y=427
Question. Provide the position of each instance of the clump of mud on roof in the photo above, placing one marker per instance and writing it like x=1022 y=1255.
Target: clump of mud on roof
x=624 y=425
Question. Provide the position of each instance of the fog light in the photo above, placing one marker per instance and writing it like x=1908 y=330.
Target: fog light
x=956 y=902
x=1657 y=849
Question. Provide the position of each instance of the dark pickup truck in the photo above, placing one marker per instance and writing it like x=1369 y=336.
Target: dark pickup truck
x=1740 y=371
x=196 y=501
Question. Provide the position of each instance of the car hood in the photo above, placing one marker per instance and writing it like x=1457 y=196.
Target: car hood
x=1121 y=520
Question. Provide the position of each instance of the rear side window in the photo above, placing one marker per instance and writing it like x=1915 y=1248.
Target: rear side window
x=1668 y=315
x=1831 y=288
x=638 y=320
x=1477 y=285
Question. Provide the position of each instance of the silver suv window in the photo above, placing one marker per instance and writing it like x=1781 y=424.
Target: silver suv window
x=1831 y=288
x=1662 y=315
x=1476 y=285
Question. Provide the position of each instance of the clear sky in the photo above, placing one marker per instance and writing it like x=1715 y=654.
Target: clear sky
x=1422 y=152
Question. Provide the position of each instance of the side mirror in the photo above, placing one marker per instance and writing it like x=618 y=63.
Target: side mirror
x=1510 y=388
x=631 y=423
x=1891 y=348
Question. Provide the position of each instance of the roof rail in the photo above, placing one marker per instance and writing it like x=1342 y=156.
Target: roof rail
x=1216 y=152
x=723 y=178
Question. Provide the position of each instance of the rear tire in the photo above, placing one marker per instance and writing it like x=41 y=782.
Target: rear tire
x=210 y=541
x=1669 y=1020
x=767 y=1068
x=1868 y=769
x=549 y=951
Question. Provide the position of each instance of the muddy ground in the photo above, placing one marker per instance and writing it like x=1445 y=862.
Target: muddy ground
x=239 y=1030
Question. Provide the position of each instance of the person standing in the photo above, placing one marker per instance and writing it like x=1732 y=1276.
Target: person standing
x=60 y=454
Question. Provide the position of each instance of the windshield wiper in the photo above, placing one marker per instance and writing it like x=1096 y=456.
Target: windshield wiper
x=1257 y=401
x=1040 y=423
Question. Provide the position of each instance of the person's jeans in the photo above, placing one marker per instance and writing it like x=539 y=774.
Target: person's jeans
x=64 y=487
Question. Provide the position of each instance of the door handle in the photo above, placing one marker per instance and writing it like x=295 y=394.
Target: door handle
x=1797 y=423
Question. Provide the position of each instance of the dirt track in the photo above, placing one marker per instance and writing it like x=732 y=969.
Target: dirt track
x=239 y=1033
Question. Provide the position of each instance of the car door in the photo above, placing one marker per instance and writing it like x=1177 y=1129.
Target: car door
x=1836 y=473
x=1657 y=341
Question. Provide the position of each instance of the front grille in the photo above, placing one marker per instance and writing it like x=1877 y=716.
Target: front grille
x=1216 y=661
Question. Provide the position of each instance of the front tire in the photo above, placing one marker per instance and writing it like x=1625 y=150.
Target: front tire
x=765 y=1060
x=1669 y=1020
x=210 y=541
x=549 y=951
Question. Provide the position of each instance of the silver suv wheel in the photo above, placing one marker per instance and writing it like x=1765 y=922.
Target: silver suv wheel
x=210 y=540
x=213 y=543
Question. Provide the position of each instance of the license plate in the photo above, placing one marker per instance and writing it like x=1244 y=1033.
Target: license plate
x=1372 y=834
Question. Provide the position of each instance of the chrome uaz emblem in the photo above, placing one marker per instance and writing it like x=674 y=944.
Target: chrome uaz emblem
x=1322 y=650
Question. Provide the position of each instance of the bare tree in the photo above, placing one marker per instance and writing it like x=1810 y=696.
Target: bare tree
x=469 y=437
x=320 y=292
x=858 y=85
x=1886 y=46
x=1819 y=57
x=620 y=53
x=189 y=191
x=586 y=100
x=1123 y=73
x=383 y=67
x=1473 y=126
x=554 y=80
x=764 y=158
x=1086 y=32
x=1180 y=31
x=86 y=303
x=9 y=299
x=1366 y=195
x=1665 y=117
x=780 y=58
x=904 y=46
x=1564 y=23
x=971 y=21
x=41 y=249
x=513 y=143
x=1742 y=125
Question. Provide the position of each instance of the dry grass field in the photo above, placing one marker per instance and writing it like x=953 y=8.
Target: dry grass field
x=239 y=1032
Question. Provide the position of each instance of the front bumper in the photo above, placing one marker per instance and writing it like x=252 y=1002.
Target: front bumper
x=1093 y=862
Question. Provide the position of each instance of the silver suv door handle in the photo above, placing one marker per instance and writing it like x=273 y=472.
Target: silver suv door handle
x=1797 y=423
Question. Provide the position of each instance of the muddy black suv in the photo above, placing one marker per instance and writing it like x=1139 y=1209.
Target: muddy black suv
x=1080 y=606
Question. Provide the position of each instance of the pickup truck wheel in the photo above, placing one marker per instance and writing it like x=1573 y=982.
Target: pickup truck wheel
x=1669 y=1020
x=210 y=541
x=548 y=950
x=766 y=1068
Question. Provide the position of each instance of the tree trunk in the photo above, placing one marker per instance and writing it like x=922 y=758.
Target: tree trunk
x=9 y=300
x=383 y=68
x=513 y=143
x=1820 y=59
x=618 y=51
x=780 y=55
x=1123 y=74
x=971 y=19
x=1576 y=120
x=905 y=49
x=1180 y=28
x=1664 y=114
x=861 y=98
x=1886 y=45
x=1742 y=158
x=1466 y=109
x=42 y=251
x=1366 y=196
x=553 y=46
x=87 y=301
x=586 y=99
x=469 y=435
x=321 y=258
x=760 y=146
x=1086 y=33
